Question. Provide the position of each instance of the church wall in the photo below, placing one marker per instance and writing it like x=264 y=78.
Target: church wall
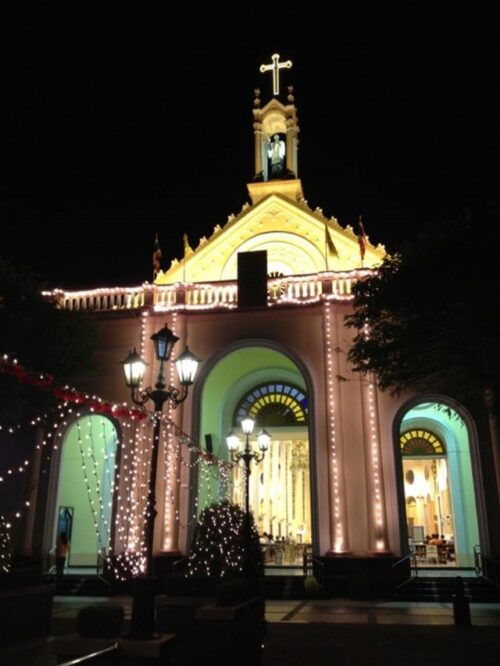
x=388 y=408
x=300 y=332
x=212 y=335
x=117 y=335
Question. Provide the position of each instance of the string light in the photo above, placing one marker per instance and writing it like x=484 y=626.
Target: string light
x=339 y=526
x=180 y=296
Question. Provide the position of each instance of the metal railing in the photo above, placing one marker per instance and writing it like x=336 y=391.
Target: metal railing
x=402 y=570
x=486 y=567
x=112 y=652
x=313 y=566
x=180 y=565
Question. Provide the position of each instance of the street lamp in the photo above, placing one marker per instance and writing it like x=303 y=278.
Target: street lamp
x=247 y=455
x=142 y=624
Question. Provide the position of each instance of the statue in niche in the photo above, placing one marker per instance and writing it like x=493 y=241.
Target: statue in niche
x=276 y=154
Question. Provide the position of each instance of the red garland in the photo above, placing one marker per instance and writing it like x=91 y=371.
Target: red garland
x=46 y=382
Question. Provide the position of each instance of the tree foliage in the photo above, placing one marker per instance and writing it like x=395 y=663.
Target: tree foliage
x=41 y=336
x=429 y=319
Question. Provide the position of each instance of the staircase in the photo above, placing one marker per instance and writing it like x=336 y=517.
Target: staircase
x=442 y=589
x=283 y=587
x=90 y=585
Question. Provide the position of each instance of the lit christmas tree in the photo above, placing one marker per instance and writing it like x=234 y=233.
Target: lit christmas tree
x=5 y=547
x=225 y=544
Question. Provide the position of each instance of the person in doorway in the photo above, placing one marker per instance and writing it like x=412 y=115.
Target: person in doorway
x=62 y=550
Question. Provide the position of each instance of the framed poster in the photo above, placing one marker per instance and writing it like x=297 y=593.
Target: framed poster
x=65 y=524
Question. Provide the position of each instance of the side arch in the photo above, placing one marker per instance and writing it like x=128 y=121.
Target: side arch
x=454 y=425
x=82 y=484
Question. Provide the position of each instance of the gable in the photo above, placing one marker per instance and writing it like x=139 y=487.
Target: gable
x=292 y=234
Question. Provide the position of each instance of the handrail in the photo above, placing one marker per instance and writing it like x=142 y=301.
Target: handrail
x=86 y=659
x=313 y=566
x=401 y=572
x=179 y=565
x=321 y=573
x=486 y=567
x=477 y=559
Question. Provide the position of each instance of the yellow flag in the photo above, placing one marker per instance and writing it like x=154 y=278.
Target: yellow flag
x=329 y=243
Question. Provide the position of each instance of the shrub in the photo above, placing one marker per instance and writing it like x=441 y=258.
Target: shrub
x=100 y=621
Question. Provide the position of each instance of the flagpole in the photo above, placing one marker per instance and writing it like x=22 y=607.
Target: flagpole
x=326 y=253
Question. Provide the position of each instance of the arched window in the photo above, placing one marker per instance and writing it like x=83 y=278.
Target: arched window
x=273 y=405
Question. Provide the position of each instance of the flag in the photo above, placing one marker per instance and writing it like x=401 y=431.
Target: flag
x=156 y=257
x=329 y=242
x=187 y=247
x=362 y=239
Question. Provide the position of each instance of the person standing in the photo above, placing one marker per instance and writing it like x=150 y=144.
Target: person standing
x=62 y=550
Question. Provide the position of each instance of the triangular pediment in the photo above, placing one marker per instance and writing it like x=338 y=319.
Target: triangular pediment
x=292 y=234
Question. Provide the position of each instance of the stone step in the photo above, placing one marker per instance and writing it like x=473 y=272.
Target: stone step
x=478 y=590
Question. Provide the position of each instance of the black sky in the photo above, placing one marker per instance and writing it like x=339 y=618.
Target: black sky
x=118 y=125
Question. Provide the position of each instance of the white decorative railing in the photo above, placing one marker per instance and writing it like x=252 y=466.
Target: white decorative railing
x=301 y=289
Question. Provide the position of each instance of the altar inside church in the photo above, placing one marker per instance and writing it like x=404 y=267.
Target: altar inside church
x=280 y=497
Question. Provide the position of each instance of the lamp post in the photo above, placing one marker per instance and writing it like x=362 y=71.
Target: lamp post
x=247 y=455
x=142 y=623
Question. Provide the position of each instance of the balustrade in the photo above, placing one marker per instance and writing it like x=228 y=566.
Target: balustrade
x=200 y=295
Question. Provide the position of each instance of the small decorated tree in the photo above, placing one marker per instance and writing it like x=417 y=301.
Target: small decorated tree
x=225 y=544
x=5 y=547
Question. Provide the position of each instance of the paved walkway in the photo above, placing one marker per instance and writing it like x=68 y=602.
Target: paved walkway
x=334 y=611
x=342 y=632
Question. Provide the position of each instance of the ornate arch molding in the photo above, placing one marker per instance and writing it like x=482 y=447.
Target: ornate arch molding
x=275 y=403
x=421 y=442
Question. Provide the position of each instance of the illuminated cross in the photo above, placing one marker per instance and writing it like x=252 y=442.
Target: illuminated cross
x=275 y=68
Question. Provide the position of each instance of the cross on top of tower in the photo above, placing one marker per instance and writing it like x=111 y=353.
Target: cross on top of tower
x=275 y=68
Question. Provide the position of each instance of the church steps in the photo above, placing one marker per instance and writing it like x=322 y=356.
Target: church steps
x=479 y=590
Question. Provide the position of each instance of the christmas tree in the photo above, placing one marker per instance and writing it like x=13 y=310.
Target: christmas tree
x=225 y=544
x=5 y=546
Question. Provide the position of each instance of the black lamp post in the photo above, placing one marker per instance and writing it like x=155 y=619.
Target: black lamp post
x=247 y=455
x=142 y=623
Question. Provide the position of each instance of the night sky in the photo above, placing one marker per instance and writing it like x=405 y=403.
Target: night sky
x=120 y=125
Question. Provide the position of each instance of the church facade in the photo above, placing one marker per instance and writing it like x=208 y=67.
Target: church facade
x=352 y=475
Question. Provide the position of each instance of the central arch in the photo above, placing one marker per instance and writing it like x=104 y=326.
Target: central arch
x=268 y=385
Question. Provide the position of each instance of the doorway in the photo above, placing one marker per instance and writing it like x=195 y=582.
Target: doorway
x=85 y=489
x=439 y=501
x=266 y=385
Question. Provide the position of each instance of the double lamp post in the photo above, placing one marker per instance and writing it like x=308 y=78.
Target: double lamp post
x=142 y=623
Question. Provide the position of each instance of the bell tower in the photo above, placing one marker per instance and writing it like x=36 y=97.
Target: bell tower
x=276 y=140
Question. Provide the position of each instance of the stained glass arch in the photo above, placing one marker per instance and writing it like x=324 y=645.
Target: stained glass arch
x=273 y=404
x=420 y=442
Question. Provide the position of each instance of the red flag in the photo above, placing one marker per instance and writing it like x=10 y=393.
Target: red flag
x=362 y=239
x=329 y=242
x=156 y=257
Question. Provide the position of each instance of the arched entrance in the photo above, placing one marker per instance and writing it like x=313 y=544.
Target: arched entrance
x=268 y=386
x=440 y=507
x=85 y=489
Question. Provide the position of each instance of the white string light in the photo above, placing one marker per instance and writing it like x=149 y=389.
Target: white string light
x=339 y=536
